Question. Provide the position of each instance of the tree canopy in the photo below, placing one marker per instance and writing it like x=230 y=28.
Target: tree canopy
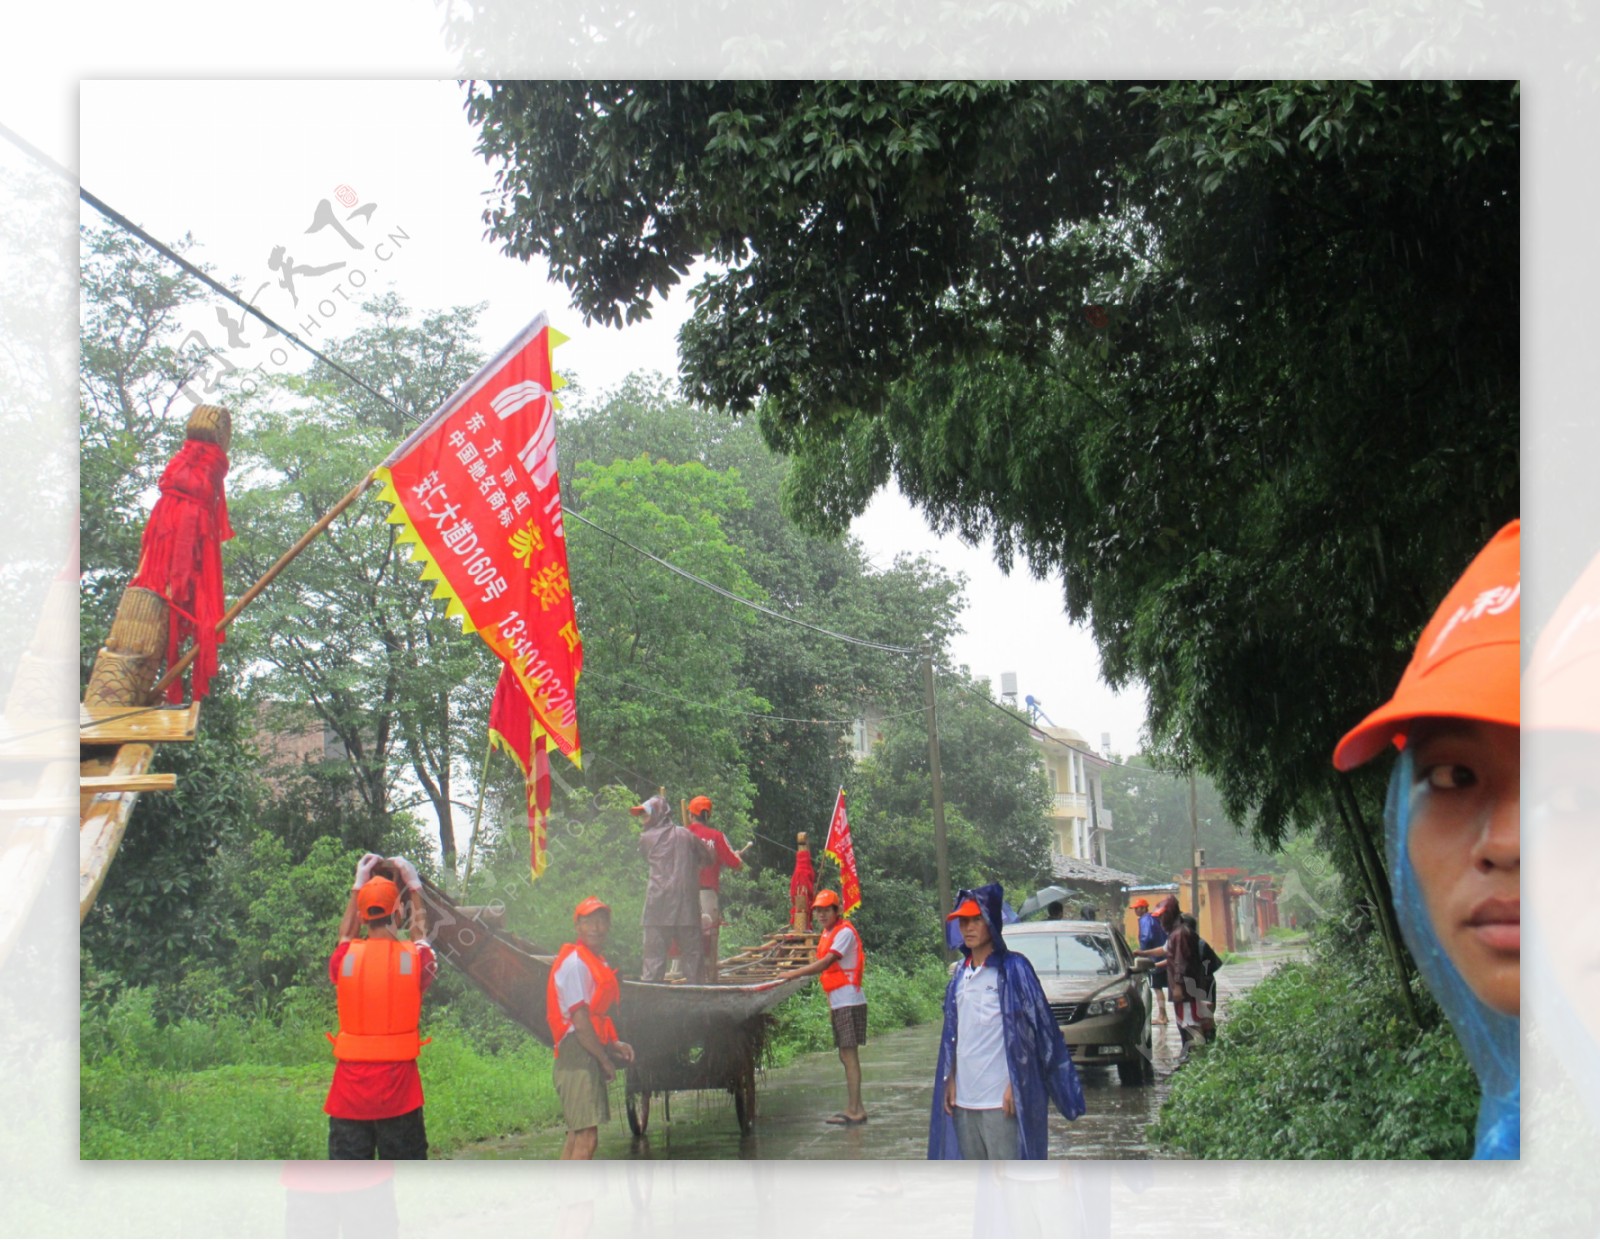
x=1238 y=361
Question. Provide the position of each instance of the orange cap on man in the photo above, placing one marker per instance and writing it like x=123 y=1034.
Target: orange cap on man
x=1466 y=662
x=967 y=908
x=589 y=906
x=377 y=898
x=700 y=805
x=826 y=899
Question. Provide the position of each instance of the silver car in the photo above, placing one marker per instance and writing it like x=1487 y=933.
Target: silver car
x=1098 y=990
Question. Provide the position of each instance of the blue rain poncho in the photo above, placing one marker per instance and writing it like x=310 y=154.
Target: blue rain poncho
x=1036 y=1056
x=1489 y=1038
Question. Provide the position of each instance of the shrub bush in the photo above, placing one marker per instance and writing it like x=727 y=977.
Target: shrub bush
x=1321 y=1061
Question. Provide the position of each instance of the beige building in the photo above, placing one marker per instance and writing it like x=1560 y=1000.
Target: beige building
x=1079 y=819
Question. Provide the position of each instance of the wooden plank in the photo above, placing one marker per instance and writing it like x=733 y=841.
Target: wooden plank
x=161 y=781
x=153 y=725
x=103 y=819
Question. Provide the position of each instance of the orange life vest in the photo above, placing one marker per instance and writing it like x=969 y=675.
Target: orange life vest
x=380 y=1001
x=607 y=991
x=835 y=976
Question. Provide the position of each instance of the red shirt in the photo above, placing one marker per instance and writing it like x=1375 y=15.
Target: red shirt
x=366 y=1091
x=711 y=875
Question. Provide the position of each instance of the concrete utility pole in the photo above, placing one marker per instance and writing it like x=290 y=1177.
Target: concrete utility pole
x=940 y=851
x=1194 y=853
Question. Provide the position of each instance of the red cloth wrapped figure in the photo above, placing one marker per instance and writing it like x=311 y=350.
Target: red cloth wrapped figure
x=180 y=558
x=802 y=889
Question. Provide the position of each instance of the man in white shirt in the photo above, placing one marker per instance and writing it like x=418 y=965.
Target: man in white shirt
x=978 y=1092
x=841 y=961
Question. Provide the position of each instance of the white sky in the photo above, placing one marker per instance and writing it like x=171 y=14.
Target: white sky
x=241 y=167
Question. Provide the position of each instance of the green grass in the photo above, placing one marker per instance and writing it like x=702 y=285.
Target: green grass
x=234 y=1089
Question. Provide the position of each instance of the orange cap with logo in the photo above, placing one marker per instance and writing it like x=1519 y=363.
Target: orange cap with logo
x=1466 y=662
x=590 y=906
x=826 y=899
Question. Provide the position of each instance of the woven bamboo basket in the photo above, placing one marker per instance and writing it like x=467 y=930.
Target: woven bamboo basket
x=140 y=627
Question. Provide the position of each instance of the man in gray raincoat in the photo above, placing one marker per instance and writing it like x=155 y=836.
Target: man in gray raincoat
x=672 y=898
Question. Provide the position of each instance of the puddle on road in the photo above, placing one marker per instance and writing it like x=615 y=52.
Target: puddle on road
x=897 y=1087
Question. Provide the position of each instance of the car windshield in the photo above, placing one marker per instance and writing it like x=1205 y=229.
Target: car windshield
x=1083 y=952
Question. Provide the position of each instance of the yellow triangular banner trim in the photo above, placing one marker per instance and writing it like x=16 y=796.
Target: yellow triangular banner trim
x=408 y=533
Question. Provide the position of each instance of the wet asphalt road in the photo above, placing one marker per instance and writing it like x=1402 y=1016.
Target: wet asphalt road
x=897 y=1087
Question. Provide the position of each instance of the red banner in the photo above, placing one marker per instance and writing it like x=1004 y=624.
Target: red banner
x=511 y=730
x=476 y=491
x=843 y=850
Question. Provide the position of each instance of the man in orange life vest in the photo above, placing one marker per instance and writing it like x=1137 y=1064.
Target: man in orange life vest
x=841 y=960
x=374 y=1105
x=582 y=991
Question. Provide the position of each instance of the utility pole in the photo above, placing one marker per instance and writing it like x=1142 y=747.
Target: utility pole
x=940 y=852
x=1194 y=853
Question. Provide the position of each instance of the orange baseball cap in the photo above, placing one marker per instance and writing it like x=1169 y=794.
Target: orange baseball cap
x=589 y=906
x=967 y=908
x=699 y=805
x=1466 y=662
x=1141 y=902
x=377 y=898
x=1564 y=672
x=826 y=899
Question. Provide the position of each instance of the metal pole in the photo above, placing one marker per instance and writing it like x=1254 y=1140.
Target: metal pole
x=940 y=851
x=1194 y=854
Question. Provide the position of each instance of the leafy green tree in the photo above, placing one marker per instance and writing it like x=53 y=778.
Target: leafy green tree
x=148 y=923
x=660 y=693
x=1239 y=361
x=1153 y=836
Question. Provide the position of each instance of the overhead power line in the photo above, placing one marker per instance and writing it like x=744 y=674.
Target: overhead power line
x=127 y=225
x=737 y=598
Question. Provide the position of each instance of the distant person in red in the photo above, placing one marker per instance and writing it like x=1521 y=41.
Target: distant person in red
x=375 y=1103
x=711 y=882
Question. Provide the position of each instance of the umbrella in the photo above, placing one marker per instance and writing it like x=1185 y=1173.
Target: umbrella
x=1043 y=897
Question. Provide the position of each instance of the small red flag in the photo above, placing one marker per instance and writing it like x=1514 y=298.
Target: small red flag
x=843 y=851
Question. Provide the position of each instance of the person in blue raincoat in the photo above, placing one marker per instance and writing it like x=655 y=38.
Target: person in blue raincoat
x=1036 y=1065
x=1453 y=822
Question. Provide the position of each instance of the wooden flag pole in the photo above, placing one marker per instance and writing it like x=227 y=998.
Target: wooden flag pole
x=477 y=817
x=245 y=599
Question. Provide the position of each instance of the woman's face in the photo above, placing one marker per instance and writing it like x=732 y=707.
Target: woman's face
x=1466 y=850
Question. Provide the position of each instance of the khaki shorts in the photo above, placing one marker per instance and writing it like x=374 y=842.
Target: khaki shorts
x=581 y=1088
x=850 y=1026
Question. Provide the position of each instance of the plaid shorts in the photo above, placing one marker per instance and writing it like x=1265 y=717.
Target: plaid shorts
x=850 y=1026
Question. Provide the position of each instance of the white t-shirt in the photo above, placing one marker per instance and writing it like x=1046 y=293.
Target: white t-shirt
x=849 y=949
x=981 y=1072
x=574 y=987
